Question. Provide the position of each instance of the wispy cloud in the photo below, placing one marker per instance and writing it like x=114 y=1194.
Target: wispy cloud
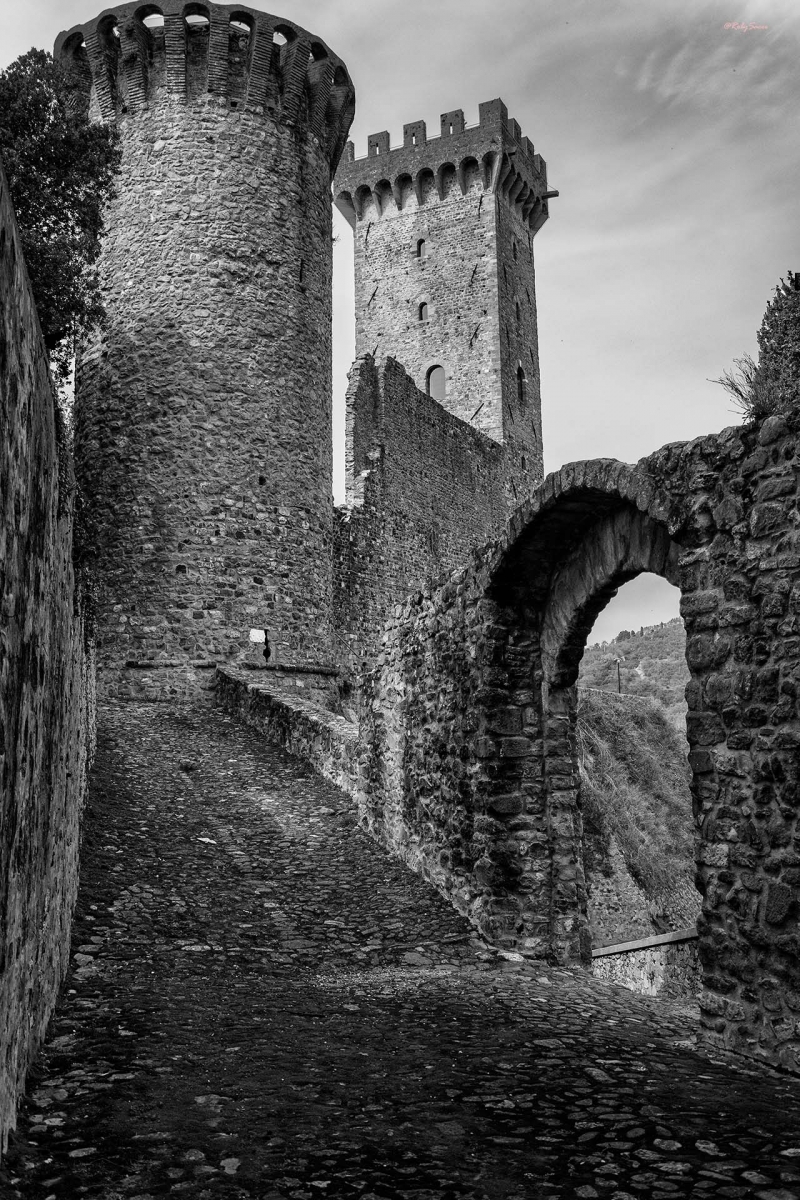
x=675 y=145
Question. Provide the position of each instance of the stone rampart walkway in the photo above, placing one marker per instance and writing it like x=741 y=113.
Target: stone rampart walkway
x=264 y=1004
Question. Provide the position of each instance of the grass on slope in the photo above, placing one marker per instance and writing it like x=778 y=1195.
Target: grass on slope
x=635 y=787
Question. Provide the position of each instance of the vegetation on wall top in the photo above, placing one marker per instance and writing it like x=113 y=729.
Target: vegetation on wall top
x=771 y=387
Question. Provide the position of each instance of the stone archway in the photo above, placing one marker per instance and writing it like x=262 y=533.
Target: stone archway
x=468 y=766
x=619 y=546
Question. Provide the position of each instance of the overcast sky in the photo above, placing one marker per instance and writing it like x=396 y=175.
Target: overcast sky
x=675 y=145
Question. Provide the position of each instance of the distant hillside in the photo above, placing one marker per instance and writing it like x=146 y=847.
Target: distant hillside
x=651 y=663
x=637 y=810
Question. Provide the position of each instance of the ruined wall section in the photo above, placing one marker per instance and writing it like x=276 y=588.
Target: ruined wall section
x=46 y=683
x=204 y=410
x=444 y=274
x=424 y=489
x=478 y=677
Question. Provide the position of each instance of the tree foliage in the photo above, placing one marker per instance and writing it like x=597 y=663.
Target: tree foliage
x=772 y=385
x=779 y=344
x=60 y=169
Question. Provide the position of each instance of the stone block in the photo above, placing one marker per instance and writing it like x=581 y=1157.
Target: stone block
x=704 y=729
x=699 y=602
x=714 y=854
x=771 y=430
x=780 y=901
x=766 y=518
x=507 y=805
x=516 y=747
x=705 y=650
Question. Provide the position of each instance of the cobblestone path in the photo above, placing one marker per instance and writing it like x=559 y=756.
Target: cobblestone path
x=264 y=1004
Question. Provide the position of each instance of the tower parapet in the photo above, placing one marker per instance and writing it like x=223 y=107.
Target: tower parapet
x=444 y=230
x=203 y=409
x=127 y=58
x=495 y=149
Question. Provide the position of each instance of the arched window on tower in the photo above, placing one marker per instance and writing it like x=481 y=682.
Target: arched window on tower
x=522 y=386
x=423 y=311
x=435 y=383
x=422 y=248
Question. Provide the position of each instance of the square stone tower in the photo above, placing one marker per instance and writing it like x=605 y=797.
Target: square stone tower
x=444 y=274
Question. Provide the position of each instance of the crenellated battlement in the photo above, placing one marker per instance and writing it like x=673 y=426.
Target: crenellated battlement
x=126 y=59
x=494 y=153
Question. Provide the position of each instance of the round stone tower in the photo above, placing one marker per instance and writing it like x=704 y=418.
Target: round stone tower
x=203 y=412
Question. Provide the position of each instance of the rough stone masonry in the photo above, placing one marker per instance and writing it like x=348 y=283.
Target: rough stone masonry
x=46 y=681
x=203 y=439
x=468 y=757
x=203 y=449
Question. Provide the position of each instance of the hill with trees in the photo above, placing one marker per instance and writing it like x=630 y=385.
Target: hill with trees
x=650 y=663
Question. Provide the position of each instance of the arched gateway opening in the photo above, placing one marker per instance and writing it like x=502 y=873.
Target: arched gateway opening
x=549 y=587
x=636 y=807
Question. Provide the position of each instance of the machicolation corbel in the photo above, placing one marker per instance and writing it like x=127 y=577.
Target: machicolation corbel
x=494 y=150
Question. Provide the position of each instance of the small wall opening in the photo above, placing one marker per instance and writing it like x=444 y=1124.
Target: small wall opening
x=422 y=248
x=522 y=386
x=422 y=312
x=260 y=641
x=436 y=383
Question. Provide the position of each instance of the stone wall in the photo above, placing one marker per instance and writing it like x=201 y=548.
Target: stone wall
x=203 y=414
x=469 y=715
x=46 y=682
x=423 y=489
x=327 y=741
x=448 y=223
x=667 y=966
